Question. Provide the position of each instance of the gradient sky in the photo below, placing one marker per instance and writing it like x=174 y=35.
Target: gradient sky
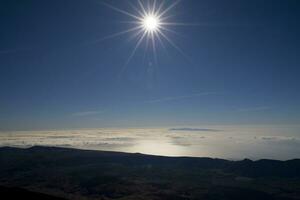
x=242 y=66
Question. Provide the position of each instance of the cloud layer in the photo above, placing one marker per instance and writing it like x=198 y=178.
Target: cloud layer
x=230 y=143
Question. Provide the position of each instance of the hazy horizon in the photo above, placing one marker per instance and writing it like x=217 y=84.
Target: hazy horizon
x=227 y=142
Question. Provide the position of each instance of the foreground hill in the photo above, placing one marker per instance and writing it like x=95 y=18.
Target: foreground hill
x=79 y=174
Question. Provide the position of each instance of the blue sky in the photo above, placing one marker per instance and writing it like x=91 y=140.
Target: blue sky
x=242 y=66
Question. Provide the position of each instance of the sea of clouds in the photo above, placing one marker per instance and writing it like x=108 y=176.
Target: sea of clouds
x=229 y=142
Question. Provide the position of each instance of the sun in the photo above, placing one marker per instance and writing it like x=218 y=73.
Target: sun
x=151 y=23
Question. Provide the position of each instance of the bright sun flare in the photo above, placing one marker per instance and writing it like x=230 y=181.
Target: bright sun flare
x=150 y=23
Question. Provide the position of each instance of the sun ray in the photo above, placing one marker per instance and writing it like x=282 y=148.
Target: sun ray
x=132 y=53
x=153 y=7
x=147 y=46
x=142 y=7
x=135 y=8
x=159 y=8
x=154 y=47
x=121 y=11
x=119 y=33
x=136 y=35
x=181 y=24
x=113 y=35
x=161 y=43
x=170 y=30
x=169 y=8
x=129 y=22
x=174 y=45
x=135 y=48
x=167 y=17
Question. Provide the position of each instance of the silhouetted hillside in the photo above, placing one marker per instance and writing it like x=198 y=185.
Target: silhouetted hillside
x=112 y=175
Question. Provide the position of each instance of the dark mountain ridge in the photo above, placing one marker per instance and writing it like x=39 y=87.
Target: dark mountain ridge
x=67 y=156
x=86 y=174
